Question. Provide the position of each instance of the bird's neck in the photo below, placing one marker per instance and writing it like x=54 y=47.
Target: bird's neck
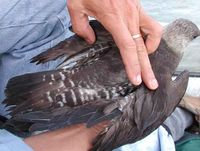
x=164 y=60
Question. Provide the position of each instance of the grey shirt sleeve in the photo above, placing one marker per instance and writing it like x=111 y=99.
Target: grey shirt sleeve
x=10 y=142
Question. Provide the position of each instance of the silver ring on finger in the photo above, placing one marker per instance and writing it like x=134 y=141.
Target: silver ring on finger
x=136 y=36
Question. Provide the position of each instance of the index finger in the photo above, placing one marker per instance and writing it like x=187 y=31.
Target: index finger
x=128 y=50
x=146 y=69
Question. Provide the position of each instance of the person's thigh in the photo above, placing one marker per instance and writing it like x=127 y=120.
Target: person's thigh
x=27 y=28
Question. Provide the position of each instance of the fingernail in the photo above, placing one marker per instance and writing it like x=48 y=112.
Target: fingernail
x=138 y=79
x=154 y=84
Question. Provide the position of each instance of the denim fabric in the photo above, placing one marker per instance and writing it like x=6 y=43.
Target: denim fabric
x=9 y=142
x=159 y=140
x=27 y=28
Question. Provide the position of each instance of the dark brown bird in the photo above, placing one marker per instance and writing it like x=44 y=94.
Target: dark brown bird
x=91 y=86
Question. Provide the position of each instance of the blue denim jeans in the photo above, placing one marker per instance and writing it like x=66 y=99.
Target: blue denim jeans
x=29 y=27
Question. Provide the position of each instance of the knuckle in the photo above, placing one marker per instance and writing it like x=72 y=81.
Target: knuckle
x=112 y=10
x=129 y=63
x=113 y=5
x=111 y=15
x=133 y=68
x=142 y=55
x=128 y=45
x=141 y=47
x=141 y=50
x=136 y=66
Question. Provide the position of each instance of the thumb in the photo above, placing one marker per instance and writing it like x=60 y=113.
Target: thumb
x=152 y=29
x=81 y=26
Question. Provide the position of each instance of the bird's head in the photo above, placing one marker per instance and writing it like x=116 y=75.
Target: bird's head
x=179 y=33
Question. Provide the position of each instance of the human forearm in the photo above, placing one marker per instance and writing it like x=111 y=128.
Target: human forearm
x=74 y=138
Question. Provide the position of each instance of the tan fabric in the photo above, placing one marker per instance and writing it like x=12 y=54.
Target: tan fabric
x=192 y=104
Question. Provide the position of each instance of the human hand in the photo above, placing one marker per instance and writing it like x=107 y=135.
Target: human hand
x=122 y=19
x=74 y=138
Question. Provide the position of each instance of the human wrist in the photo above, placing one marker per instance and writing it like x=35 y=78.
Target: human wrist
x=76 y=138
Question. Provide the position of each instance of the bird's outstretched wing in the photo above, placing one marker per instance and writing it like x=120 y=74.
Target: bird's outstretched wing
x=54 y=99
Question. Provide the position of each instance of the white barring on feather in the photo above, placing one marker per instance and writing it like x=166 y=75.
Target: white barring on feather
x=136 y=36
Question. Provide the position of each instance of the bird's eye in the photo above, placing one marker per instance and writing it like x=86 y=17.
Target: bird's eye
x=194 y=37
